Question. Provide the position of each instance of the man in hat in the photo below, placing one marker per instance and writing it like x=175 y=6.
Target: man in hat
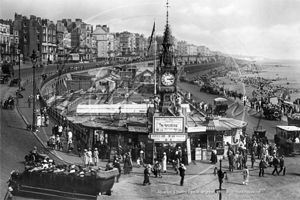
x=182 y=170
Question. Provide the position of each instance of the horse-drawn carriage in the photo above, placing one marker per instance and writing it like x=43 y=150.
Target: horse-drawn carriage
x=272 y=111
x=220 y=106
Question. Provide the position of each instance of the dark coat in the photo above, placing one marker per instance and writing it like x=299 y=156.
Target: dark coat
x=275 y=162
x=281 y=163
x=118 y=166
x=181 y=171
x=146 y=176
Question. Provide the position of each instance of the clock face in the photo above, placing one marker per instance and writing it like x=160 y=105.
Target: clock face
x=167 y=79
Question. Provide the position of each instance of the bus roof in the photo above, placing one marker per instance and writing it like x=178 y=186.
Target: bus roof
x=289 y=128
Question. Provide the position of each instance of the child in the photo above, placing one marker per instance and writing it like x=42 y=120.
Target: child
x=138 y=161
x=245 y=176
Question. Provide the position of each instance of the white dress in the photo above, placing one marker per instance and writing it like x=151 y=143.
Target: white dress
x=164 y=163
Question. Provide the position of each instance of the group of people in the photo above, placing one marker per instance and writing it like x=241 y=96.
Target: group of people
x=267 y=154
x=55 y=141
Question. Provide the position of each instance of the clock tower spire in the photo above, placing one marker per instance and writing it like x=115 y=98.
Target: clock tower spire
x=167 y=71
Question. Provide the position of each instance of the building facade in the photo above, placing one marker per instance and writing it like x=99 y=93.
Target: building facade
x=102 y=34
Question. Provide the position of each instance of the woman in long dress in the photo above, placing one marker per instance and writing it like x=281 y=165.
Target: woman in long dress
x=164 y=163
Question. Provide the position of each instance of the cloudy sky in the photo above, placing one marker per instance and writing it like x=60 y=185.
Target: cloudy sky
x=267 y=28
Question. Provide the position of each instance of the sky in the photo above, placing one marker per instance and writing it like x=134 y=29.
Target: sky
x=265 y=28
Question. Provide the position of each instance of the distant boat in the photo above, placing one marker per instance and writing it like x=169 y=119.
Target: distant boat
x=287 y=83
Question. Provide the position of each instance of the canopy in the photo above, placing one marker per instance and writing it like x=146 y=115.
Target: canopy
x=111 y=109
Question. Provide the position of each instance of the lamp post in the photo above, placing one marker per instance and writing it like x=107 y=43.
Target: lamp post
x=18 y=52
x=33 y=58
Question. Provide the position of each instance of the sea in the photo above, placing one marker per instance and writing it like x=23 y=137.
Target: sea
x=288 y=71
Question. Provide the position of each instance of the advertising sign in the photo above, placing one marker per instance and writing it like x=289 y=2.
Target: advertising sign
x=168 y=125
x=198 y=153
x=168 y=138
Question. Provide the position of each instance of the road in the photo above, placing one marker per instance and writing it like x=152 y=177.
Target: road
x=240 y=112
x=16 y=141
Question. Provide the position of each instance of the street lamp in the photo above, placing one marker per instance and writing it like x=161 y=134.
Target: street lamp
x=34 y=58
x=18 y=53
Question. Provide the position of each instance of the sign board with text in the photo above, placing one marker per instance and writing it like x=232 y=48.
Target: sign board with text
x=168 y=138
x=168 y=125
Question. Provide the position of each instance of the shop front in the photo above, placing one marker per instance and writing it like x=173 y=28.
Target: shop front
x=219 y=132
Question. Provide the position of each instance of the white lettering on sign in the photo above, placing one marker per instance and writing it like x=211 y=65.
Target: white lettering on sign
x=168 y=124
x=163 y=138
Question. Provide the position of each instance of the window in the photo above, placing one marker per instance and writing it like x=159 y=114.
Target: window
x=17 y=40
x=38 y=30
x=16 y=33
x=44 y=30
x=24 y=24
x=25 y=30
x=44 y=38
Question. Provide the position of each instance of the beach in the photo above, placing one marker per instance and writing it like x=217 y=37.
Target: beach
x=282 y=73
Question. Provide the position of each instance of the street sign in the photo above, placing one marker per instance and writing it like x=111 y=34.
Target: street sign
x=220 y=191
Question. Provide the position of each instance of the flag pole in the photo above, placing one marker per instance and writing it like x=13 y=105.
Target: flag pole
x=154 y=61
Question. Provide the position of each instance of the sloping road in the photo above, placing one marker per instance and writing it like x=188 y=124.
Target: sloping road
x=236 y=111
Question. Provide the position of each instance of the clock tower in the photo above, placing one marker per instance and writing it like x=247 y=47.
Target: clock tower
x=167 y=72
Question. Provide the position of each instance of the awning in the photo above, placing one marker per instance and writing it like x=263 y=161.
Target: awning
x=112 y=109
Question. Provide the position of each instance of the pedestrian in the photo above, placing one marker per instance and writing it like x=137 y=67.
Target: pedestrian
x=157 y=169
x=147 y=172
x=96 y=156
x=70 y=146
x=85 y=158
x=262 y=166
x=79 y=147
x=60 y=130
x=57 y=143
x=182 y=170
x=245 y=175
x=164 y=163
x=29 y=101
x=281 y=164
x=127 y=164
x=55 y=129
x=70 y=135
x=231 y=161
x=90 y=157
x=275 y=164
x=252 y=159
x=117 y=165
